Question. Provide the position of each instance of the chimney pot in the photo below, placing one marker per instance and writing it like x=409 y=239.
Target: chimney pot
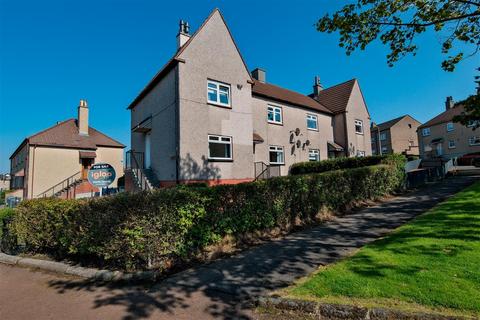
x=260 y=75
x=183 y=33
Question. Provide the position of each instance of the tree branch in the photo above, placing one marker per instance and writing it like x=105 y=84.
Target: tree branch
x=411 y=24
x=468 y=2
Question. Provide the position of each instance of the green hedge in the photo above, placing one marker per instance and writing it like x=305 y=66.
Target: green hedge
x=342 y=163
x=159 y=228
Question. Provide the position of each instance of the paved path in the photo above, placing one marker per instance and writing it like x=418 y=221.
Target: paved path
x=218 y=290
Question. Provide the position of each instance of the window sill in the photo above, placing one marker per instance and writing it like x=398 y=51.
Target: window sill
x=359 y=133
x=226 y=106
x=309 y=129
x=219 y=160
x=276 y=164
x=275 y=123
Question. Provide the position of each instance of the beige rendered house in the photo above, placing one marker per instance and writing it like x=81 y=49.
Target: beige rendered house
x=441 y=137
x=398 y=135
x=55 y=161
x=205 y=117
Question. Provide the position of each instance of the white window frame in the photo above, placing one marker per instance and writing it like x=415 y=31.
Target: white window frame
x=452 y=144
x=214 y=138
x=315 y=153
x=383 y=136
x=472 y=123
x=360 y=123
x=274 y=110
x=450 y=127
x=425 y=132
x=314 y=118
x=474 y=141
x=276 y=149
x=218 y=89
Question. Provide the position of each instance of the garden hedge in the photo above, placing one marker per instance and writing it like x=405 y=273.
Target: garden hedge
x=159 y=228
x=340 y=163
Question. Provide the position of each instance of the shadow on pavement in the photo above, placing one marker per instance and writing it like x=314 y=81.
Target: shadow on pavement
x=224 y=289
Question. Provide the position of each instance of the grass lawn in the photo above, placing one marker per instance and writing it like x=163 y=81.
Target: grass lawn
x=431 y=263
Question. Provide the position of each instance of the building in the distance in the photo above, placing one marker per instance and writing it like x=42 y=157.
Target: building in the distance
x=398 y=135
x=205 y=117
x=441 y=137
x=4 y=182
x=55 y=161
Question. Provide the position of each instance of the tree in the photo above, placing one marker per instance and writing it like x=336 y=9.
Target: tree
x=471 y=115
x=397 y=22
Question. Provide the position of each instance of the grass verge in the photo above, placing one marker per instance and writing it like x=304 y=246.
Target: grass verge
x=432 y=263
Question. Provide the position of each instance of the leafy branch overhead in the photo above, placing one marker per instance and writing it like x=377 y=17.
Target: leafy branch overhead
x=397 y=22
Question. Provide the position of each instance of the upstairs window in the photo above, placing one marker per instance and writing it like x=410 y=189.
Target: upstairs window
x=218 y=93
x=450 y=126
x=451 y=144
x=219 y=147
x=312 y=122
x=383 y=136
x=313 y=155
x=425 y=132
x=276 y=155
x=358 y=126
x=474 y=141
x=274 y=114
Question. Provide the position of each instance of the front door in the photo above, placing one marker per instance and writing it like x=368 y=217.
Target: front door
x=148 y=145
x=86 y=164
x=439 y=149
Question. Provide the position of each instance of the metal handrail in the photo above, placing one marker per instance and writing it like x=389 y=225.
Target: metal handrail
x=64 y=184
x=137 y=167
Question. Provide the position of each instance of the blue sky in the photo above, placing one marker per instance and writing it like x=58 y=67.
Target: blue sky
x=54 y=53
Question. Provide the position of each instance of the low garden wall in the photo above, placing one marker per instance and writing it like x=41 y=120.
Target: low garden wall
x=164 y=228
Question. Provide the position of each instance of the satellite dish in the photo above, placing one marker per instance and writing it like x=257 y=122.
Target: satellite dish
x=297 y=131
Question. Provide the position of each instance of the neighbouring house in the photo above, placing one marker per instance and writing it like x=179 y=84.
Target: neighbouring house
x=5 y=182
x=398 y=135
x=205 y=118
x=55 y=161
x=440 y=137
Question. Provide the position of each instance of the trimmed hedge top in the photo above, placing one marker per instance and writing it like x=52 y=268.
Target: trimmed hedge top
x=342 y=163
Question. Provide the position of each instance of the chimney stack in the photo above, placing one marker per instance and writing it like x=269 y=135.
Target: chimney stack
x=449 y=104
x=260 y=75
x=317 y=87
x=183 y=33
x=83 y=118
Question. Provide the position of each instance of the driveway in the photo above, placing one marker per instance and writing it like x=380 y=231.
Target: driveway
x=221 y=289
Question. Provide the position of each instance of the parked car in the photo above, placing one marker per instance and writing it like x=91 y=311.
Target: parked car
x=469 y=159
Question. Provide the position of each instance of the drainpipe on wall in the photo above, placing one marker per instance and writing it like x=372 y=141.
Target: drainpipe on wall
x=177 y=124
x=379 y=142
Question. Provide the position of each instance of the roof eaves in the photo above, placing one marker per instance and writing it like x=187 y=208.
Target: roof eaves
x=295 y=104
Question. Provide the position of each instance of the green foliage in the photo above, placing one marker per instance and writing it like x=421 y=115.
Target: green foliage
x=471 y=114
x=342 y=163
x=5 y=214
x=155 y=229
x=432 y=261
x=397 y=23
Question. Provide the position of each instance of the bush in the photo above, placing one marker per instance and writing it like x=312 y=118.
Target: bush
x=5 y=214
x=158 y=228
x=339 y=163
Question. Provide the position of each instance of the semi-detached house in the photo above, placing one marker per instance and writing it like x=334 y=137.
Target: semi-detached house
x=205 y=117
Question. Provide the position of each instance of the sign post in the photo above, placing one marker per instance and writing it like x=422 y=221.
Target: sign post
x=101 y=175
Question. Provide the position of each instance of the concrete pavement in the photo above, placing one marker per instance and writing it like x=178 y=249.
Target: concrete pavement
x=221 y=289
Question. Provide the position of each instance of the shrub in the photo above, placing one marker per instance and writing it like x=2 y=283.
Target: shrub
x=158 y=228
x=343 y=163
x=5 y=214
